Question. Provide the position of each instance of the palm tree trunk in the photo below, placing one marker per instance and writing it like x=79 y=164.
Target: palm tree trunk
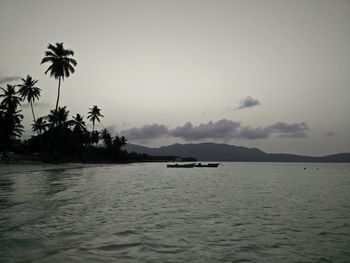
x=58 y=98
x=31 y=105
x=93 y=125
x=58 y=94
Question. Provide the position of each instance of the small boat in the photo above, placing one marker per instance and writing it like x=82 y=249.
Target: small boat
x=187 y=165
x=211 y=165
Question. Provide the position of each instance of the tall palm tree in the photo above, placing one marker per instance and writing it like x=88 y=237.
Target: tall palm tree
x=40 y=125
x=94 y=115
x=62 y=65
x=29 y=91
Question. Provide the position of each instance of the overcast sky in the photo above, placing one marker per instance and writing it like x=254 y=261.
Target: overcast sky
x=267 y=74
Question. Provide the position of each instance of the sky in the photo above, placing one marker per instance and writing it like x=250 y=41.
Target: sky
x=270 y=74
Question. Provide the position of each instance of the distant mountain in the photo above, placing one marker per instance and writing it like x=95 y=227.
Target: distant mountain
x=225 y=152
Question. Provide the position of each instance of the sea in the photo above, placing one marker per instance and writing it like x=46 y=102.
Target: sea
x=146 y=212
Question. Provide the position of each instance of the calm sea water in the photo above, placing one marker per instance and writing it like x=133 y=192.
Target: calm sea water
x=239 y=212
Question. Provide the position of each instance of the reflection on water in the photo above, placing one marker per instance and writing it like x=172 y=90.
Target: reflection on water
x=239 y=212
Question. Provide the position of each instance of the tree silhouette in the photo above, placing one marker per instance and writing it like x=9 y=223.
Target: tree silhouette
x=29 y=91
x=94 y=115
x=11 y=100
x=78 y=124
x=10 y=117
x=119 y=142
x=62 y=65
x=59 y=117
x=95 y=137
x=40 y=125
x=107 y=138
x=123 y=141
x=12 y=122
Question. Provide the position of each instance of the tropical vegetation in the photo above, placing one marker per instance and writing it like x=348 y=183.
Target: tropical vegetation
x=10 y=117
x=57 y=136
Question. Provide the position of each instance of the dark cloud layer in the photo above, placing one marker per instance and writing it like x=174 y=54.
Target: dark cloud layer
x=293 y=130
x=8 y=79
x=146 y=132
x=248 y=102
x=288 y=128
x=253 y=133
x=212 y=130
x=36 y=105
x=221 y=130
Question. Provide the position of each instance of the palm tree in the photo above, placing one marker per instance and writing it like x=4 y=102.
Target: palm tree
x=13 y=123
x=78 y=123
x=10 y=117
x=40 y=125
x=61 y=64
x=29 y=91
x=10 y=98
x=119 y=142
x=94 y=115
x=107 y=138
x=59 y=117
x=123 y=141
x=95 y=137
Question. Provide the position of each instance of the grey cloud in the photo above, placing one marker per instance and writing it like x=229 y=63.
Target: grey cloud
x=146 y=132
x=248 y=102
x=253 y=133
x=329 y=134
x=294 y=130
x=222 y=129
x=286 y=130
x=36 y=104
x=293 y=135
x=7 y=79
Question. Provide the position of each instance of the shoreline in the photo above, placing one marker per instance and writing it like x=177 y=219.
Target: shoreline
x=35 y=166
x=27 y=166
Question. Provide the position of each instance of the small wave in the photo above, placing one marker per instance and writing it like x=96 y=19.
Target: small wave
x=125 y=233
x=241 y=260
x=249 y=248
x=324 y=233
x=323 y=259
x=276 y=245
x=113 y=247
x=162 y=249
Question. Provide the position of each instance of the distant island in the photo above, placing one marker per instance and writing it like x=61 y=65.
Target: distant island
x=224 y=152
